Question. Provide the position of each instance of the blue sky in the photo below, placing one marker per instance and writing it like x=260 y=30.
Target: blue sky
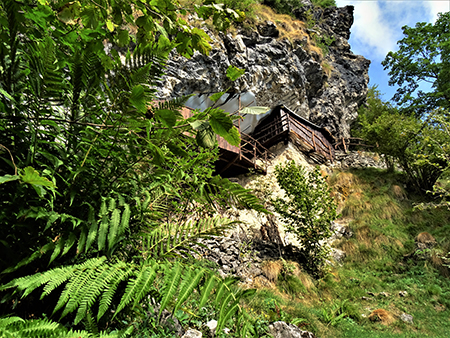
x=378 y=27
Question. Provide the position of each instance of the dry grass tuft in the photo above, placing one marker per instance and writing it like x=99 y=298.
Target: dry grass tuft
x=425 y=238
x=398 y=192
x=307 y=280
x=381 y=315
x=272 y=269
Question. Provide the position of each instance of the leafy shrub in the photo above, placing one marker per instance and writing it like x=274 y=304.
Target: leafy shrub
x=324 y=3
x=307 y=210
x=283 y=6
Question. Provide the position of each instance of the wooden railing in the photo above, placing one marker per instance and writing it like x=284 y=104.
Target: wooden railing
x=286 y=125
x=312 y=138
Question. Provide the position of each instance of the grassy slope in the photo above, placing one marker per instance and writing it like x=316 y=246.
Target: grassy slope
x=379 y=259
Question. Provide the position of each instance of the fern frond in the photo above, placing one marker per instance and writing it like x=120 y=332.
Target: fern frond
x=10 y=320
x=114 y=228
x=118 y=273
x=207 y=289
x=58 y=248
x=74 y=277
x=190 y=282
x=224 y=289
x=174 y=104
x=171 y=283
x=103 y=231
x=139 y=287
x=166 y=241
x=232 y=191
x=226 y=312
x=125 y=221
x=92 y=290
x=16 y=327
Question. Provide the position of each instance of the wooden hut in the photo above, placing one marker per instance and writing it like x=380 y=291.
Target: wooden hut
x=236 y=160
x=282 y=125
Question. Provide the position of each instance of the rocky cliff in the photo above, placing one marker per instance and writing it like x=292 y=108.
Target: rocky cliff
x=326 y=86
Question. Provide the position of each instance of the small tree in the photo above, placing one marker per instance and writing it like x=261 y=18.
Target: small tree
x=307 y=209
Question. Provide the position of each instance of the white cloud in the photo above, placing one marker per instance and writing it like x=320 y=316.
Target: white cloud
x=435 y=7
x=371 y=31
x=377 y=24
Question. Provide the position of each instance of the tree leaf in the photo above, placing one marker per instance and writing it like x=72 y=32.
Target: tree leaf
x=216 y=96
x=205 y=135
x=167 y=117
x=110 y=25
x=254 y=110
x=8 y=178
x=31 y=176
x=137 y=98
x=234 y=73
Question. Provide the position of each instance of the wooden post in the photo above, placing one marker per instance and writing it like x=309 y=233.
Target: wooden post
x=314 y=141
x=331 y=154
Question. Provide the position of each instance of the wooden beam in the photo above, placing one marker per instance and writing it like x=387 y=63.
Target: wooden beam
x=229 y=164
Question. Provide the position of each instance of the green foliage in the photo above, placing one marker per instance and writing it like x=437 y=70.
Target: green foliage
x=42 y=328
x=307 y=210
x=105 y=191
x=324 y=3
x=283 y=6
x=423 y=55
x=417 y=146
x=288 y=6
x=97 y=282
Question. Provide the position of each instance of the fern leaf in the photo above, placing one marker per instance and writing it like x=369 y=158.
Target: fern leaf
x=187 y=287
x=120 y=273
x=104 y=224
x=92 y=235
x=137 y=288
x=125 y=223
x=207 y=289
x=114 y=228
x=10 y=320
x=91 y=292
x=78 y=287
x=58 y=277
x=82 y=239
x=171 y=283
x=223 y=288
x=168 y=242
x=59 y=246
x=66 y=294
x=112 y=204
x=224 y=316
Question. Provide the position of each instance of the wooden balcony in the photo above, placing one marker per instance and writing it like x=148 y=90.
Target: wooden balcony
x=236 y=160
x=283 y=125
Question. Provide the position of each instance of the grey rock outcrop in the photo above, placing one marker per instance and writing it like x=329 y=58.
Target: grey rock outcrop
x=328 y=91
x=284 y=330
x=358 y=159
x=191 y=333
x=407 y=318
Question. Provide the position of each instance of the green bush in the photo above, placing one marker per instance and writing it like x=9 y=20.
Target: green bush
x=308 y=210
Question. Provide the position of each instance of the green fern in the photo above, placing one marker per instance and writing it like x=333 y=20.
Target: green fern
x=96 y=282
x=168 y=240
x=16 y=327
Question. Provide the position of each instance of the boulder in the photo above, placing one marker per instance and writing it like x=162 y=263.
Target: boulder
x=407 y=318
x=283 y=330
x=192 y=334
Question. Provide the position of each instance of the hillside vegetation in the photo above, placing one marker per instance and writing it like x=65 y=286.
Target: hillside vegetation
x=364 y=297
x=105 y=192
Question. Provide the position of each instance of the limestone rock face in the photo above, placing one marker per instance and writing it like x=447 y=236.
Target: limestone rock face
x=284 y=330
x=327 y=90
